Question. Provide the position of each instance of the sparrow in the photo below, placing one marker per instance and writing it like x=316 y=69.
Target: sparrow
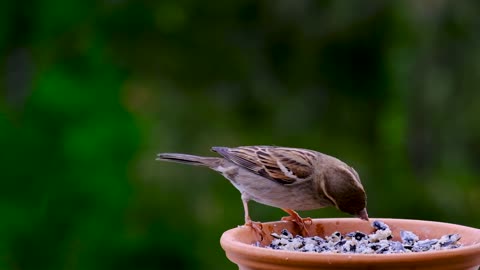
x=288 y=178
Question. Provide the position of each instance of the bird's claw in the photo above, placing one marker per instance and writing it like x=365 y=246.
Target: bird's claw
x=257 y=227
x=308 y=221
x=301 y=222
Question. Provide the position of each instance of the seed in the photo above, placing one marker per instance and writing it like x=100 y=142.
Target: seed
x=424 y=245
x=357 y=235
x=377 y=224
x=448 y=240
x=378 y=242
x=408 y=238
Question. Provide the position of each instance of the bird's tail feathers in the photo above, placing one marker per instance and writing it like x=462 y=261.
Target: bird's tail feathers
x=189 y=159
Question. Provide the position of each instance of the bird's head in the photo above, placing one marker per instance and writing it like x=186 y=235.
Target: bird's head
x=342 y=185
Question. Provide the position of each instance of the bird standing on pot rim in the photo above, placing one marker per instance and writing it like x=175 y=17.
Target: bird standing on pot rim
x=287 y=178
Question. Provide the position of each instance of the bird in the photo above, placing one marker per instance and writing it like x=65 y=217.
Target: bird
x=292 y=179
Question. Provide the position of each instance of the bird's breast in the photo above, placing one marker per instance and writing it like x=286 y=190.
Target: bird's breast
x=299 y=196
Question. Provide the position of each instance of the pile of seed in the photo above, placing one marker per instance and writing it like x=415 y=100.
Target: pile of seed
x=379 y=242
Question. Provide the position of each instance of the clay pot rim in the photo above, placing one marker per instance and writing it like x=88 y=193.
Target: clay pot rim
x=262 y=254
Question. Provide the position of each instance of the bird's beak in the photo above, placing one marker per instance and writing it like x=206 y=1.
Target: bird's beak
x=363 y=214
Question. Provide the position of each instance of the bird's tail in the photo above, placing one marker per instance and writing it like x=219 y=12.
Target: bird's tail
x=190 y=159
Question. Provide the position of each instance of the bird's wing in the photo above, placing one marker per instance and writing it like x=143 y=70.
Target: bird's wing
x=280 y=164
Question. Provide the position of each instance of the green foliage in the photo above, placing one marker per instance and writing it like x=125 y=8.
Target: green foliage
x=91 y=91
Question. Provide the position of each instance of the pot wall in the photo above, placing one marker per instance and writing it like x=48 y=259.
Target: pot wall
x=237 y=244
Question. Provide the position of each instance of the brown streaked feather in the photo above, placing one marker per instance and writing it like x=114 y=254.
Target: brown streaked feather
x=244 y=160
x=280 y=164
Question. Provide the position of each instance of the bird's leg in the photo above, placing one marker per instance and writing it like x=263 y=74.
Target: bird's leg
x=301 y=222
x=256 y=226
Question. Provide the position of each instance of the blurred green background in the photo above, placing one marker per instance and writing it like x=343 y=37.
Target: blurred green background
x=92 y=90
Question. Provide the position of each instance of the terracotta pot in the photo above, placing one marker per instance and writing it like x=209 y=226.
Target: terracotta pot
x=237 y=244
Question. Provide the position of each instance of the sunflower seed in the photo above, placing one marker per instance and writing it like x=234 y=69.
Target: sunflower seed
x=378 y=242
